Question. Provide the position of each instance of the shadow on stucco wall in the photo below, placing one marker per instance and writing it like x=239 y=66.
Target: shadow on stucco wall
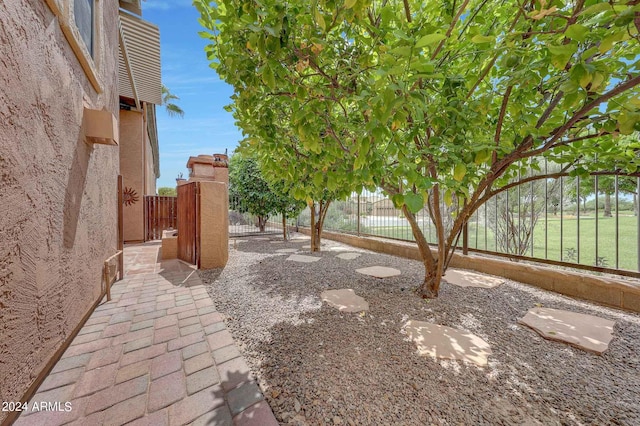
x=75 y=189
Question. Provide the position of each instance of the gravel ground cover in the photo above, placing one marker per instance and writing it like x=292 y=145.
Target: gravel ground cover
x=317 y=365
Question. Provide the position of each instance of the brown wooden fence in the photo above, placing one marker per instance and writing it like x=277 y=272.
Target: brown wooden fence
x=160 y=213
x=188 y=218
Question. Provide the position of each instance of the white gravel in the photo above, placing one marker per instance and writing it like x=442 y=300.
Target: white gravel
x=316 y=365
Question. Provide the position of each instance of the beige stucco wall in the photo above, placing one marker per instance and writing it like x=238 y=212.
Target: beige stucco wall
x=214 y=225
x=58 y=212
x=132 y=168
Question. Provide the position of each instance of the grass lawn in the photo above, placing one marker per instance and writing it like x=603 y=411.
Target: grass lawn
x=627 y=238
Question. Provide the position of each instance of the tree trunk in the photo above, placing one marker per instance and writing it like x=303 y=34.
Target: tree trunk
x=284 y=227
x=431 y=285
x=317 y=224
x=432 y=275
x=262 y=222
x=315 y=238
x=607 y=205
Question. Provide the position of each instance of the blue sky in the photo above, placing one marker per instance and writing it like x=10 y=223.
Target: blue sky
x=206 y=127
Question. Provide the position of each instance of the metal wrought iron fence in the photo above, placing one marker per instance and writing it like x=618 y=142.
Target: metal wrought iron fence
x=242 y=223
x=590 y=224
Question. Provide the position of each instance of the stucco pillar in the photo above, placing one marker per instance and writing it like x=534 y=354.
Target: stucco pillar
x=214 y=224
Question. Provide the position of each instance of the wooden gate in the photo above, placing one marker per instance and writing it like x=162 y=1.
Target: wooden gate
x=160 y=213
x=188 y=223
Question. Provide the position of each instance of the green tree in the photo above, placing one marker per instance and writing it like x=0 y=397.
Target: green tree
x=606 y=185
x=286 y=205
x=311 y=167
x=437 y=103
x=167 y=191
x=248 y=190
x=168 y=99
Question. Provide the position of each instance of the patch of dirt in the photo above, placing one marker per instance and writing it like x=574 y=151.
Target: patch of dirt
x=317 y=365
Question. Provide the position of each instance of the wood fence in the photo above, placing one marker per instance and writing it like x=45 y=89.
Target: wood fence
x=188 y=219
x=160 y=213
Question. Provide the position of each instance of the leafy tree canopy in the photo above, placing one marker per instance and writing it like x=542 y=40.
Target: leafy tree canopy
x=167 y=191
x=432 y=101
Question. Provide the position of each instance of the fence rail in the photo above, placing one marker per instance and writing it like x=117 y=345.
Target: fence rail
x=590 y=224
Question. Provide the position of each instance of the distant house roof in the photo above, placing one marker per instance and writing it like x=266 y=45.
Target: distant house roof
x=139 y=64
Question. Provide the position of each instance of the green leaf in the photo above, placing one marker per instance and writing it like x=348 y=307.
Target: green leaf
x=318 y=178
x=268 y=77
x=430 y=39
x=459 y=171
x=564 y=50
x=414 y=202
x=401 y=51
x=448 y=200
x=350 y=3
x=332 y=184
x=596 y=8
x=319 y=19
x=479 y=39
x=482 y=156
x=627 y=122
x=398 y=200
x=577 y=32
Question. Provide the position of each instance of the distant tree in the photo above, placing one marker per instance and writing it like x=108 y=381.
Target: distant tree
x=167 y=100
x=167 y=191
x=606 y=185
x=249 y=191
x=286 y=205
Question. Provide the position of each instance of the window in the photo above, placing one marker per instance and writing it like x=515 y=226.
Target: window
x=80 y=21
x=83 y=12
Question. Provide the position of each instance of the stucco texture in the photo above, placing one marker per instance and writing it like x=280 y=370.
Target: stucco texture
x=58 y=212
x=214 y=225
x=132 y=167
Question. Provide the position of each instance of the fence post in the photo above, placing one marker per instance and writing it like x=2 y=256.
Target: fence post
x=465 y=238
x=358 y=215
x=465 y=233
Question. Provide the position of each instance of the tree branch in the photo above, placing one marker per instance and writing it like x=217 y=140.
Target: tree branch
x=454 y=21
x=563 y=143
x=407 y=11
x=503 y=110
x=620 y=88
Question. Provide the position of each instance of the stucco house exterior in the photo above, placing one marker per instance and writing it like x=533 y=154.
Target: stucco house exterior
x=384 y=207
x=140 y=92
x=68 y=129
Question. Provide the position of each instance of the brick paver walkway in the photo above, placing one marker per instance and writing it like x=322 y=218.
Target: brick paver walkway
x=157 y=354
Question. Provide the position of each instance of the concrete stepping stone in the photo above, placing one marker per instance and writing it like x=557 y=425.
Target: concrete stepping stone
x=348 y=256
x=583 y=331
x=303 y=259
x=439 y=341
x=289 y=250
x=464 y=278
x=379 y=271
x=345 y=300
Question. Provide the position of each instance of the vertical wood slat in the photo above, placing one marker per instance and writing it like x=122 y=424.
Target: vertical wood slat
x=187 y=217
x=160 y=213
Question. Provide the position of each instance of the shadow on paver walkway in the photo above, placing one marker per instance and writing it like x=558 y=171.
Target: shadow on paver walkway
x=158 y=353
